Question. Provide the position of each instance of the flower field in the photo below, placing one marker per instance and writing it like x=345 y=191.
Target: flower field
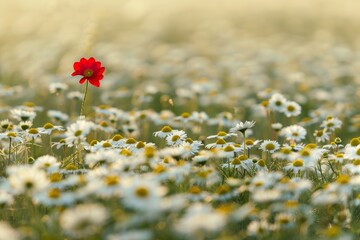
x=141 y=120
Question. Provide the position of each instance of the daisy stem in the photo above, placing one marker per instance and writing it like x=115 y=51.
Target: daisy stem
x=32 y=147
x=244 y=142
x=9 y=151
x=82 y=104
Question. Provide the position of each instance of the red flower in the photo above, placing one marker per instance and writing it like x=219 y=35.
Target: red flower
x=90 y=69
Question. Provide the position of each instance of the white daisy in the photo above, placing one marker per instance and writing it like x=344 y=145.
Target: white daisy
x=200 y=219
x=331 y=123
x=57 y=87
x=26 y=179
x=58 y=116
x=321 y=135
x=269 y=146
x=76 y=133
x=292 y=109
x=47 y=163
x=176 y=138
x=293 y=133
x=222 y=134
x=352 y=153
x=23 y=115
x=277 y=102
x=48 y=128
x=242 y=126
x=7 y=232
x=142 y=194
x=164 y=132
x=83 y=220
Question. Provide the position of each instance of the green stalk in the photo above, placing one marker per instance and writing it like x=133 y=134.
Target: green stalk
x=82 y=104
x=9 y=151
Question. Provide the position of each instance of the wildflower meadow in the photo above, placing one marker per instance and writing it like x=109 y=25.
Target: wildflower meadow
x=199 y=120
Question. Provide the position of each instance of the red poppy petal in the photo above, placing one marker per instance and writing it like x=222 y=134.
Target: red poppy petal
x=101 y=70
x=93 y=67
x=82 y=80
x=97 y=77
x=77 y=73
x=78 y=66
x=95 y=82
x=83 y=61
x=90 y=62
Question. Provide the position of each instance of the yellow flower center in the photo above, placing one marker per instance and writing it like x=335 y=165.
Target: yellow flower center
x=286 y=150
x=278 y=103
x=343 y=179
x=104 y=106
x=305 y=153
x=159 y=169
x=106 y=145
x=354 y=142
x=332 y=232
x=358 y=152
x=77 y=133
x=223 y=189
x=291 y=204
x=270 y=146
x=175 y=138
x=249 y=142
x=356 y=162
x=243 y=157
x=228 y=148
x=319 y=133
x=220 y=141
x=11 y=134
x=55 y=177
x=221 y=134
x=142 y=192
x=111 y=180
x=311 y=146
x=166 y=129
x=261 y=163
x=202 y=174
x=284 y=219
x=339 y=155
x=33 y=131
x=140 y=144
x=54 y=193
x=104 y=124
x=125 y=152
x=88 y=72
x=298 y=163
x=185 y=115
x=236 y=161
x=149 y=152
x=48 y=126
x=290 y=108
x=117 y=137
x=71 y=167
x=130 y=141
x=195 y=190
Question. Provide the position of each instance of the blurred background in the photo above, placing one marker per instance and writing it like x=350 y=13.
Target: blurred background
x=226 y=54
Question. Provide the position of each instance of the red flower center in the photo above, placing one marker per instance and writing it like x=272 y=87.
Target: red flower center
x=88 y=72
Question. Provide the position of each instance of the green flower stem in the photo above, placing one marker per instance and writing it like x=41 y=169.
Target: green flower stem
x=82 y=104
x=244 y=141
x=9 y=151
